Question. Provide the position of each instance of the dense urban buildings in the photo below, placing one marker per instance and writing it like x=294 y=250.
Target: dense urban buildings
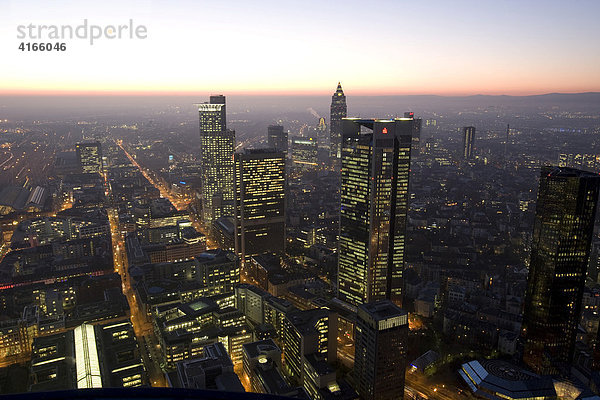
x=90 y=356
x=337 y=111
x=374 y=206
x=292 y=286
x=563 y=229
x=217 y=144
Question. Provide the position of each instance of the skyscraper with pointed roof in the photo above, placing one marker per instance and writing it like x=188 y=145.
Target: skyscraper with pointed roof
x=338 y=111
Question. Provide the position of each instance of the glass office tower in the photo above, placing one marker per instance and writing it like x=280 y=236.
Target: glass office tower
x=374 y=202
x=562 y=234
x=217 y=144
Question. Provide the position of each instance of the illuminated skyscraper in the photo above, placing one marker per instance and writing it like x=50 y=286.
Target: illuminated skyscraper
x=259 y=202
x=322 y=126
x=322 y=133
x=562 y=234
x=217 y=144
x=380 y=355
x=468 y=142
x=338 y=111
x=277 y=138
x=89 y=156
x=374 y=204
x=305 y=152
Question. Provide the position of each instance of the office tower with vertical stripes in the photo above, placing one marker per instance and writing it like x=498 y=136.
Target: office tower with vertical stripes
x=468 y=142
x=374 y=202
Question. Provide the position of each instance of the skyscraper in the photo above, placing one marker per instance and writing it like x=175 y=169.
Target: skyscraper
x=374 y=204
x=380 y=356
x=277 y=138
x=416 y=136
x=562 y=234
x=217 y=144
x=338 y=111
x=468 y=142
x=89 y=156
x=305 y=152
x=259 y=202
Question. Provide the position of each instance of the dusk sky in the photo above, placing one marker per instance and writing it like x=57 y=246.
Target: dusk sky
x=306 y=47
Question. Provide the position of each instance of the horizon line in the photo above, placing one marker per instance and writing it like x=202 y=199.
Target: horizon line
x=359 y=93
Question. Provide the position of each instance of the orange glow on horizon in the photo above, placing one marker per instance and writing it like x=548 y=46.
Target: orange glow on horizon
x=289 y=92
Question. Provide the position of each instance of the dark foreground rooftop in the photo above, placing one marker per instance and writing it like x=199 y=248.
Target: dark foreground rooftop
x=140 y=393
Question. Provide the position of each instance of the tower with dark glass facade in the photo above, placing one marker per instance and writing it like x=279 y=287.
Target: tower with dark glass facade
x=217 y=144
x=338 y=111
x=374 y=202
x=468 y=142
x=416 y=136
x=277 y=138
x=259 y=202
x=380 y=351
x=562 y=234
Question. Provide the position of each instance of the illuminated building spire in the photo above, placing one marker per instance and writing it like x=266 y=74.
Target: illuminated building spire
x=338 y=111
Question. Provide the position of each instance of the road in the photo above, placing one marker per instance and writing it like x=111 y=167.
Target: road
x=418 y=383
x=179 y=203
x=143 y=329
x=165 y=192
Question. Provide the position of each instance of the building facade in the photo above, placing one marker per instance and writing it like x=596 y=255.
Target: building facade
x=468 y=142
x=374 y=204
x=338 y=110
x=563 y=228
x=259 y=202
x=89 y=156
x=380 y=352
x=277 y=138
x=217 y=144
x=305 y=152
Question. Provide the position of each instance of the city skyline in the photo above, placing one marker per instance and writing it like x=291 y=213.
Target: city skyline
x=339 y=200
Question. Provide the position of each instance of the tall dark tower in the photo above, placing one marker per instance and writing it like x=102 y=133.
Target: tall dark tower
x=562 y=234
x=277 y=138
x=217 y=144
x=374 y=202
x=416 y=136
x=468 y=142
x=380 y=355
x=506 y=145
x=338 y=111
